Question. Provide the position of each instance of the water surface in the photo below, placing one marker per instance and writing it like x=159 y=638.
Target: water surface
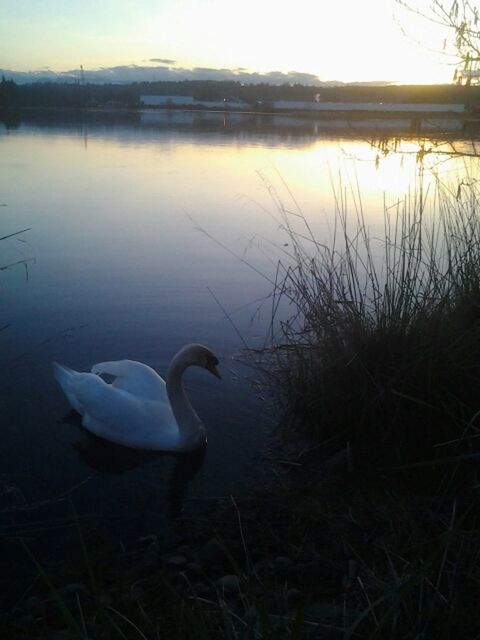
x=148 y=231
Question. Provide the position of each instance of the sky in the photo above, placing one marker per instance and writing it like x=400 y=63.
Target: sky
x=344 y=40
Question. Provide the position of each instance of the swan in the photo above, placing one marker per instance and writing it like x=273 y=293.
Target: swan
x=139 y=409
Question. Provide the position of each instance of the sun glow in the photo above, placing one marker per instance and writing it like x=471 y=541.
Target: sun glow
x=345 y=40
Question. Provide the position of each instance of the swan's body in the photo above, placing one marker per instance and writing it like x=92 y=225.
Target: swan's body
x=139 y=409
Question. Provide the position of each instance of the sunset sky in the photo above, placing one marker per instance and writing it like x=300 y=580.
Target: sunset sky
x=345 y=40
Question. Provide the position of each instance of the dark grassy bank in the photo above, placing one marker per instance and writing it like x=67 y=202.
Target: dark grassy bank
x=323 y=552
x=368 y=526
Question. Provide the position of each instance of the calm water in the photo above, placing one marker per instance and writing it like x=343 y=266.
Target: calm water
x=134 y=222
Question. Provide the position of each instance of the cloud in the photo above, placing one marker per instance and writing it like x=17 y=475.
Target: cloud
x=163 y=61
x=122 y=74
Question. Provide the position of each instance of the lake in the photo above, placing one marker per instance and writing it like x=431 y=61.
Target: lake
x=146 y=231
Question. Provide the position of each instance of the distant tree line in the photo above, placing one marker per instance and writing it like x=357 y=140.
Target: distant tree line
x=76 y=95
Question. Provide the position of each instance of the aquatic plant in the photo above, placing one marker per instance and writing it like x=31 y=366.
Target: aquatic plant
x=380 y=347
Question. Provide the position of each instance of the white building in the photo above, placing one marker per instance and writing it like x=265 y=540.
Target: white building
x=189 y=101
x=285 y=105
x=232 y=103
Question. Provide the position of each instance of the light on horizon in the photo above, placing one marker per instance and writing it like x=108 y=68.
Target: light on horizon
x=348 y=41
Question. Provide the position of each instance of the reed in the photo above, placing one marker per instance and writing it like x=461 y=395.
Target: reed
x=381 y=344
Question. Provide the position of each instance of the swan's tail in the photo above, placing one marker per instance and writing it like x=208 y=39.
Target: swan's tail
x=63 y=375
x=66 y=379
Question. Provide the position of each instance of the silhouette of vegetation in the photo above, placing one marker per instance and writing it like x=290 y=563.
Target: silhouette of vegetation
x=460 y=19
x=381 y=350
x=75 y=95
x=461 y=46
x=8 y=93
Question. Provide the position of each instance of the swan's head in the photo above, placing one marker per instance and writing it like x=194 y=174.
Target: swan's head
x=200 y=356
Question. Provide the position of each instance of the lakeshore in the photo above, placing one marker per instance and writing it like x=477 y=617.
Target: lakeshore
x=363 y=507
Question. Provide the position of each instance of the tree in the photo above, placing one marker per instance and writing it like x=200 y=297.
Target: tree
x=8 y=91
x=460 y=20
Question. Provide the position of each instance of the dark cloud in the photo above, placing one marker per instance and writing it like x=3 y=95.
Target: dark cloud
x=207 y=70
x=163 y=61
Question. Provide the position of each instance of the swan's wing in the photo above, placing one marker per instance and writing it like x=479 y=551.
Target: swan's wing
x=118 y=415
x=134 y=377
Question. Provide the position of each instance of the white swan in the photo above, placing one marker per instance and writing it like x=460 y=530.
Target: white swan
x=139 y=409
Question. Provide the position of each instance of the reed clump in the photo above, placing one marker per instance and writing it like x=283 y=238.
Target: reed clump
x=380 y=349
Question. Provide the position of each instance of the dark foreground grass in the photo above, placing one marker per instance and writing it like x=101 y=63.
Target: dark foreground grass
x=322 y=553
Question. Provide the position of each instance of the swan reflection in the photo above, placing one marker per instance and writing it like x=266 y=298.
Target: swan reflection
x=111 y=458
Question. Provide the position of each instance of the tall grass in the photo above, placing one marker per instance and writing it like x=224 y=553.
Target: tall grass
x=381 y=348
x=380 y=354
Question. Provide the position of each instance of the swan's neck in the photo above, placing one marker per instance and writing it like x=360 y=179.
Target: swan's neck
x=192 y=432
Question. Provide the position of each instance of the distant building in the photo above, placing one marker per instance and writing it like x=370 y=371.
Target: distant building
x=163 y=101
x=315 y=105
x=189 y=101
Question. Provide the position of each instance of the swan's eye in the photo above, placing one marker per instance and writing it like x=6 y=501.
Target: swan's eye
x=211 y=365
x=211 y=361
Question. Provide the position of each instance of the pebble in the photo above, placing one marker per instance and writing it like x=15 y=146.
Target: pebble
x=229 y=584
x=25 y=620
x=303 y=569
x=152 y=555
x=34 y=603
x=194 y=568
x=176 y=562
x=146 y=541
x=259 y=568
x=211 y=552
x=106 y=600
x=251 y=615
x=322 y=611
x=185 y=550
x=281 y=565
x=71 y=590
x=294 y=595
x=137 y=590
x=202 y=590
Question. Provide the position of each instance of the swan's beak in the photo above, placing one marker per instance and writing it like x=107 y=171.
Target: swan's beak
x=213 y=369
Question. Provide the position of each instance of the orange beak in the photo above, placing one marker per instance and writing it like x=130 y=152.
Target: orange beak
x=213 y=369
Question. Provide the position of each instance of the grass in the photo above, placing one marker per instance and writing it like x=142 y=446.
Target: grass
x=379 y=359
x=381 y=347
x=369 y=561
x=25 y=262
